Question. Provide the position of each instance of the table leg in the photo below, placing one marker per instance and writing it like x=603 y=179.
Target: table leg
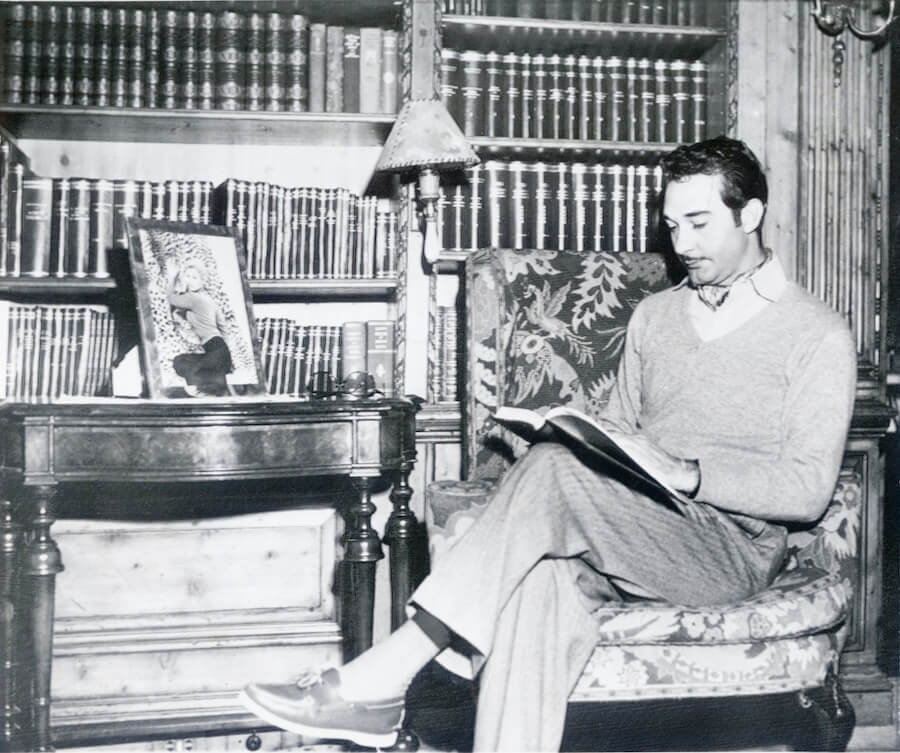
x=10 y=548
x=42 y=563
x=362 y=550
x=400 y=534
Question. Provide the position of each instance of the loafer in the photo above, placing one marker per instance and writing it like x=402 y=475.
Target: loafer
x=314 y=707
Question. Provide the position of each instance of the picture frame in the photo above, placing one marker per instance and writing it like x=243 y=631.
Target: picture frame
x=195 y=313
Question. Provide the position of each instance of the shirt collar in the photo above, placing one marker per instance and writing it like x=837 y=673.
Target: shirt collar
x=769 y=281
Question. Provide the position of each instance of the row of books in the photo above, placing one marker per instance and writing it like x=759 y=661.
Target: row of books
x=598 y=207
x=310 y=233
x=295 y=357
x=575 y=97
x=135 y=57
x=67 y=227
x=50 y=351
x=445 y=373
x=680 y=12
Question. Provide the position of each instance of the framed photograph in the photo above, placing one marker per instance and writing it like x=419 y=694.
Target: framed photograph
x=198 y=336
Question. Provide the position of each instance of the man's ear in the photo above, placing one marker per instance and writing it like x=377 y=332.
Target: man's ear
x=752 y=215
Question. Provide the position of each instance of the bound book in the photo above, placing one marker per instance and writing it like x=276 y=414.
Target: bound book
x=589 y=439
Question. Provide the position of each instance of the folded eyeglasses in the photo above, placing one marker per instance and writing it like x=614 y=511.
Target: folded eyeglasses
x=357 y=384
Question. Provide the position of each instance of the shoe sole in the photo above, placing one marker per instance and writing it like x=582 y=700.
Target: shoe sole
x=368 y=739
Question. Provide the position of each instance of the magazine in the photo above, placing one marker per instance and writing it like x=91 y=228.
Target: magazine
x=590 y=440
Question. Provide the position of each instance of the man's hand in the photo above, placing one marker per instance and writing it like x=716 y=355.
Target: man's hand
x=679 y=473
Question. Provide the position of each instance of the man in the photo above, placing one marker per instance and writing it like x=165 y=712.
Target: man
x=735 y=386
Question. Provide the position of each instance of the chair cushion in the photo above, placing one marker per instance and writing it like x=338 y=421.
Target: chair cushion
x=675 y=670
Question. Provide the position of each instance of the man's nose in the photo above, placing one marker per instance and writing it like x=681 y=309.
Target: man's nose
x=683 y=242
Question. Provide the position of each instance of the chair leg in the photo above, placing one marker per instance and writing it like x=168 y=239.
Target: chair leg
x=832 y=715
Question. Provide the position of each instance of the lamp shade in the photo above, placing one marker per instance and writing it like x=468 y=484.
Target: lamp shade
x=424 y=135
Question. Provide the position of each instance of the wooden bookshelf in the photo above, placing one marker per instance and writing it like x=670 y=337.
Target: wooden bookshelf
x=194 y=126
x=566 y=148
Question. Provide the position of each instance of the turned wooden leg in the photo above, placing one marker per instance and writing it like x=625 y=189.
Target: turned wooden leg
x=362 y=550
x=41 y=564
x=10 y=547
x=400 y=537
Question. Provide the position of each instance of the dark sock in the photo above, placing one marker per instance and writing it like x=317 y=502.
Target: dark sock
x=437 y=631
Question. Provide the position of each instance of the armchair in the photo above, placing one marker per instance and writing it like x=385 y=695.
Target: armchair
x=546 y=327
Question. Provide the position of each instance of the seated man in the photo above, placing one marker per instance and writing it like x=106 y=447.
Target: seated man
x=735 y=386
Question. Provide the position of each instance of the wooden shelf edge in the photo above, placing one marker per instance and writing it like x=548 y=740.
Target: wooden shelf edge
x=557 y=146
x=583 y=27
x=193 y=126
x=324 y=288
x=56 y=285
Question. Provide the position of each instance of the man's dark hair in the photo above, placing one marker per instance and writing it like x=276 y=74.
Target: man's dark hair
x=742 y=175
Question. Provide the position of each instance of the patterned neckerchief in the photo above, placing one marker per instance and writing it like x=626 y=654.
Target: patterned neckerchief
x=715 y=295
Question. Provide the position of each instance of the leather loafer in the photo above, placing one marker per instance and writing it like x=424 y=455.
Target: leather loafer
x=314 y=707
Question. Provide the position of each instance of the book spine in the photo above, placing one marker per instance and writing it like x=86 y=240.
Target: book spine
x=334 y=69
x=168 y=72
x=5 y=165
x=230 y=61
x=536 y=179
x=615 y=100
x=353 y=345
x=511 y=85
x=518 y=206
x=630 y=230
x=580 y=207
x=84 y=56
x=16 y=216
x=659 y=12
x=680 y=128
x=473 y=107
x=31 y=83
x=448 y=330
x=125 y=204
x=370 y=70
x=526 y=97
x=14 y=69
x=553 y=114
x=118 y=76
x=699 y=75
x=646 y=101
x=79 y=228
x=616 y=195
x=598 y=207
x=103 y=52
x=450 y=84
x=585 y=97
x=496 y=200
x=137 y=64
x=297 y=92
x=51 y=44
x=600 y=96
x=477 y=218
x=188 y=73
x=539 y=82
x=152 y=59
x=317 y=66
x=255 y=41
x=37 y=220
x=275 y=67
x=493 y=103
x=380 y=348
x=206 y=61
x=390 y=68
x=67 y=54
x=663 y=100
x=642 y=208
x=101 y=232
x=632 y=100
x=570 y=100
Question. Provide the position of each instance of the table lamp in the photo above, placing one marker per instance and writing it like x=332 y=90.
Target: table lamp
x=426 y=140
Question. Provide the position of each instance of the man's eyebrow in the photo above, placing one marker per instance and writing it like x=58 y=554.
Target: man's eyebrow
x=695 y=213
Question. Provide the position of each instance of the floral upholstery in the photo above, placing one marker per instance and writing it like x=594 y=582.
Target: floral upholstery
x=546 y=328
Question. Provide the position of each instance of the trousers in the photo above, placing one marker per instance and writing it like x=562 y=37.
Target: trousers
x=557 y=540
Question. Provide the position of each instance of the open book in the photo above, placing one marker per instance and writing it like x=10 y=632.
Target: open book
x=587 y=438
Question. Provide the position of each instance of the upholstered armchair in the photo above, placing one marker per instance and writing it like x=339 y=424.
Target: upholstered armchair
x=545 y=328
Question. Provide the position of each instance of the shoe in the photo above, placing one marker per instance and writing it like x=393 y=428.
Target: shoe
x=314 y=707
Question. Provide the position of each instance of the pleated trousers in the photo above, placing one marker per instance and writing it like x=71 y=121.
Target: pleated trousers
x=557 y=540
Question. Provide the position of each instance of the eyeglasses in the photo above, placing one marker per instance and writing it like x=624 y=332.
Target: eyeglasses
x=357 y=384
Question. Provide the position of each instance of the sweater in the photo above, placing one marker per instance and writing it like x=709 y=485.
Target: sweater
x=765 y=408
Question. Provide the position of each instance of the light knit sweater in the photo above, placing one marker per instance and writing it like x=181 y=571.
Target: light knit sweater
x=765 y=409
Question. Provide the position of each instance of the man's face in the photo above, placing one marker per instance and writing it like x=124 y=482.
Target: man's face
x=712 y=247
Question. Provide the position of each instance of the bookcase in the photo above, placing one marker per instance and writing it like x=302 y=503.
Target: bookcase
x=569 y=104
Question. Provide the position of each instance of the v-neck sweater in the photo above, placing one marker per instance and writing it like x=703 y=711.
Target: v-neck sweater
x=765 y=408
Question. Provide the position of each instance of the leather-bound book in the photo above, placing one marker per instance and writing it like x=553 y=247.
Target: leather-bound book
x=539 y=81
x=615 y=123
x=50 y=43
x=188 y=71
x=334 y=69
x=472 y=91
x=103 y=52
x=152 y=61
x=585 y=97
x=118 y=76
x=137 y=28
x=680 y=126
x=275 y=68
x=511 y=96
x=34 y=53
x=206 y=61
x=297 y=92
x=15 y=218
x=84 y=56
x=351 y=69
x=59 y=227
x=255 y=56
x=526 y=98
x=646 y=116
x=317 y=56
x=101 y=234
x=37 y=214
x=390 y=72
x=570 y=98
x=168 y=65
x=370 y=69
x=380 y=354
x=14 y=63
x=699 y=75
x=231 y=67
x=663 y=100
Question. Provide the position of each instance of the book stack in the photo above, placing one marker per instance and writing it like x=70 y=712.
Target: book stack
x=576 y=97
x=292 y=353
x=135 y=57
x=66 y=227
x=551 y=205
x=679 y=12
x=309 y=233
x=51 y=351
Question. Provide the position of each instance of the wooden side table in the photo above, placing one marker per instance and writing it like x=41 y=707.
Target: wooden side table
x=44 y=447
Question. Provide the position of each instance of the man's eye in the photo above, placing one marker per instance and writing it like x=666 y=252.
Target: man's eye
x=698 y=225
